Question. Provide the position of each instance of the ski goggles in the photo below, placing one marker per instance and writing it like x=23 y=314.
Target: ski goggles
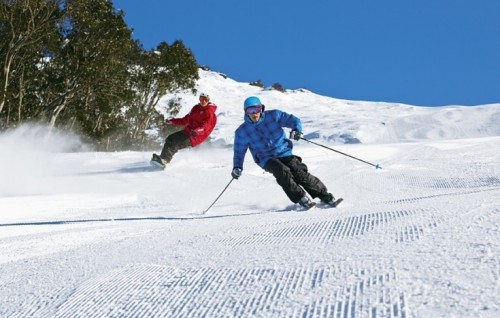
x=204 y=99
x=253 y=110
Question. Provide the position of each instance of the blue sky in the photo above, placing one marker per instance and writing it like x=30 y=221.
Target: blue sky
x=418 y=52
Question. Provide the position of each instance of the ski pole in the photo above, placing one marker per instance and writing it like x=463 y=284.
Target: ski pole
x=340 y=152
x=219 y=196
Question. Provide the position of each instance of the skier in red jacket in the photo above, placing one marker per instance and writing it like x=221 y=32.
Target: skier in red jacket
x=199 y=123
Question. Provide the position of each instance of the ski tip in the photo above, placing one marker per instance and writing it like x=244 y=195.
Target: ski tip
x=156 y=165
x=337 y=202
x=377 y=166
x=311 y=206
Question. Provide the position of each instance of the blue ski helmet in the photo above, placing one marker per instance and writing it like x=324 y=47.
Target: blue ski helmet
x=251 y=101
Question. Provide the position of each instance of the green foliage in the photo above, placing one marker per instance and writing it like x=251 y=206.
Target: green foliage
x=90 y=68
x=73 y=64
x=257 y=83
x=167 y=69
x=278 y=87
x=27 y=32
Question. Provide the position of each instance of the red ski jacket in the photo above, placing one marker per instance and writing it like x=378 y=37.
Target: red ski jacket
x=199 y=123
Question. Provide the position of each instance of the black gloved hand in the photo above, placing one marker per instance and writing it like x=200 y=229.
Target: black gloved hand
x=295 y=135
x=236 y=173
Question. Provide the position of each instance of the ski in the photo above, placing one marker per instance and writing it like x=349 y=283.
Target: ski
x=310 y=206
x=337 y=202
x=156 y=161
x=156 y=164
x=334 y=205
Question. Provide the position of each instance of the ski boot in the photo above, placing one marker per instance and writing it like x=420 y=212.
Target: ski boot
x=330 y=200
x=158 y=161
x=306 y=203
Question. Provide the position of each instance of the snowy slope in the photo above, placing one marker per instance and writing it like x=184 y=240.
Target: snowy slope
x=344 y=121
x=104 y=235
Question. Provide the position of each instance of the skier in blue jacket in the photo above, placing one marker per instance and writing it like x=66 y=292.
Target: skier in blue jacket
x=262 y=132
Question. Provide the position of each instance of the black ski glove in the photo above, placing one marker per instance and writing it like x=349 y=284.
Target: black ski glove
x=236 y=173
x=295 y=135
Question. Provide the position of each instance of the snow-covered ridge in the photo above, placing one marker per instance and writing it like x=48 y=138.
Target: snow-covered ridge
x=343 y=121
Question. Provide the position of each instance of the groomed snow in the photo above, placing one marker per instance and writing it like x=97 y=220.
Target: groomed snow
x=90 y=234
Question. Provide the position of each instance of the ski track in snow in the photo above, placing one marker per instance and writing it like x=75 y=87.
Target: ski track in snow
x=377 y=257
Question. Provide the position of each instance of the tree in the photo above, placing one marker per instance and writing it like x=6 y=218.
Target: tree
x=73 y=64
x=27 y=28
x=257 y=83
x=87 y=77
x=278 y=87
x=167 y=69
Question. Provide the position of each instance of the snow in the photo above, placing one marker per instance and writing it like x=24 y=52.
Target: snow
x=91 y=234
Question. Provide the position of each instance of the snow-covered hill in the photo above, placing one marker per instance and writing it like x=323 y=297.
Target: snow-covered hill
x=343 y=121
x=104 y=235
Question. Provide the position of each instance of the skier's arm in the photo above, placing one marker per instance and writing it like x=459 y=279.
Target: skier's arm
x=289 y=121
x=239 y=150
x=180 y=121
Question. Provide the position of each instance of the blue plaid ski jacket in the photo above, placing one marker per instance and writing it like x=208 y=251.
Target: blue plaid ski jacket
x=266 y=138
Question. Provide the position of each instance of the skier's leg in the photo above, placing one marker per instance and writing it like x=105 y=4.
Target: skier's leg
x=174 y=143
x=285 y=179
x=301 y=175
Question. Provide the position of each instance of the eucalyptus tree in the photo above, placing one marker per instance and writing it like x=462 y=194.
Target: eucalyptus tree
x=27 y=33
x=166 y=69
x=87 y=77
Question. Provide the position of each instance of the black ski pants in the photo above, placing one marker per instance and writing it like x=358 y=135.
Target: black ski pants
x=292 y=175
x=174 y=143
